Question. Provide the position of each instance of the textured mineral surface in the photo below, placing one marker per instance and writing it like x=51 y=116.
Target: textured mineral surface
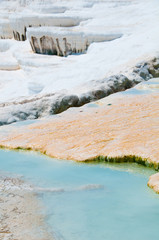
x=123 y=127
x=20 y=216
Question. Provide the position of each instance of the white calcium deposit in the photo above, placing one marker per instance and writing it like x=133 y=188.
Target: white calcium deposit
x=64 y=41
x=25 y=74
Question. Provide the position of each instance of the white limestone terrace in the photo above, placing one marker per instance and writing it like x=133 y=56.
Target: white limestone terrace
x=66 y=14
x=17 y=15
x=21 y=22
x=50 y=13
x=47 y=81
x=64 y=41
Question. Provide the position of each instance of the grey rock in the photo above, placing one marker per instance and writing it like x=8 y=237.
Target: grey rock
x=49 y=104
x=153 y=68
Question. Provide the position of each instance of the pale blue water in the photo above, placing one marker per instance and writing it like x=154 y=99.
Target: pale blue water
x=122 y=209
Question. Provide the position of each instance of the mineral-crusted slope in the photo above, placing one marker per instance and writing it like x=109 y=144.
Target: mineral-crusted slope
x=117 y=126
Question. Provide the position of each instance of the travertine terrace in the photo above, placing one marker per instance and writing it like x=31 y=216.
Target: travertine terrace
x=118 y=127
x=79 y=80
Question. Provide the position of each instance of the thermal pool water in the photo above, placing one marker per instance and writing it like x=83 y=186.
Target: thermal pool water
x=89 y=201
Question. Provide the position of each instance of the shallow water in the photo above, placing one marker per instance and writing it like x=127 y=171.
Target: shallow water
x=90 y=201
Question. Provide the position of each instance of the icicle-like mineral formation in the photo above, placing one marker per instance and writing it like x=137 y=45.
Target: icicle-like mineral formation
x=64 y=41
x=21 y=22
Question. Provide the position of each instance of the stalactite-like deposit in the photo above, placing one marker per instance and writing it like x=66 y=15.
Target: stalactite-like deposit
x=63 y=41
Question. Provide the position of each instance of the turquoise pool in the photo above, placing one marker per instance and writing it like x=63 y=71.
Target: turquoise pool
x=89 y=201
